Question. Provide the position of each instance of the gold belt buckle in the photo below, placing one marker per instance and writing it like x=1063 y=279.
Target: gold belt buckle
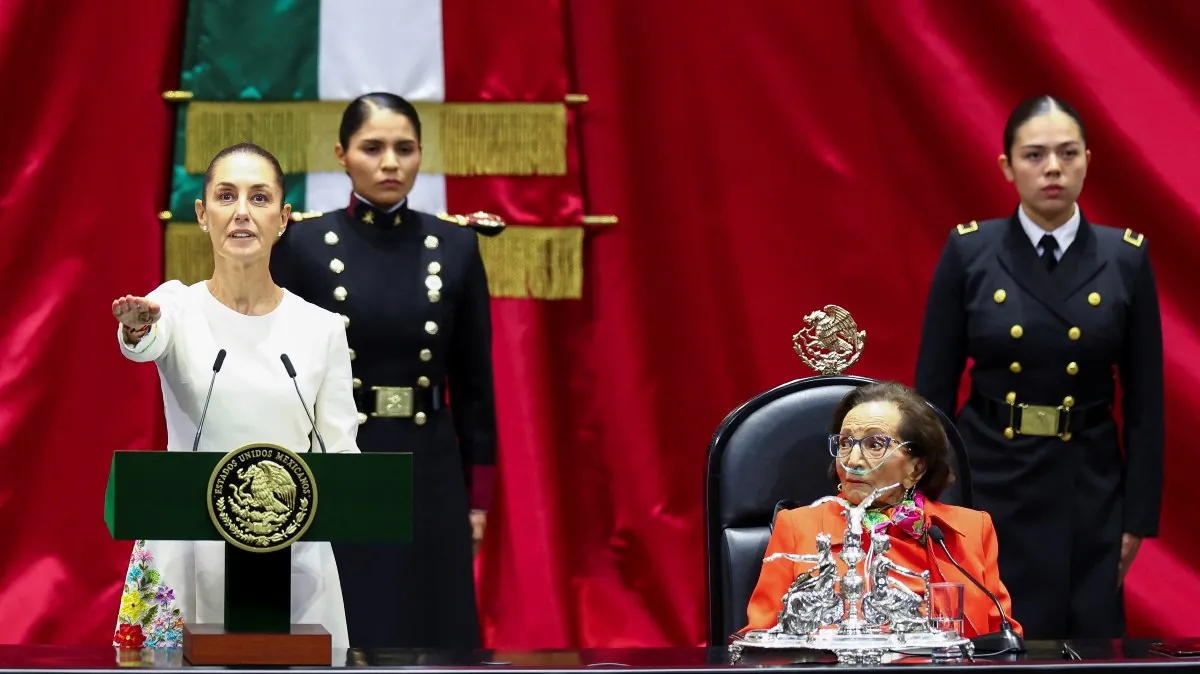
x=1041 y=420
x=393 y=401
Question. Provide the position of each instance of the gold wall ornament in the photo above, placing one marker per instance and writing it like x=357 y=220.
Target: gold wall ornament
x=830 y=342
x=262 y=497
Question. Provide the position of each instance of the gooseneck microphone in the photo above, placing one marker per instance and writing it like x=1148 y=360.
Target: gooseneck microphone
x=204 y=413
x=995 y=643
x=291 y=371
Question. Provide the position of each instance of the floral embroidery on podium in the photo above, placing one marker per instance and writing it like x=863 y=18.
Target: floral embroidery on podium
x=148 y=617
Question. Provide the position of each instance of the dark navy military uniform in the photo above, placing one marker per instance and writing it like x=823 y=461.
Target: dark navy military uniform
x=1046 y=460
x=413 y=292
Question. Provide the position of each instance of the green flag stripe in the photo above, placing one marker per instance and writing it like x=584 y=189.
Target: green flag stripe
x=264 y=50
x=236 y=50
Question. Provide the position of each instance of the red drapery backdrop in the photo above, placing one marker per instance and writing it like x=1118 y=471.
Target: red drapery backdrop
x=740 y=144
x=765 y=159
x=83 y=172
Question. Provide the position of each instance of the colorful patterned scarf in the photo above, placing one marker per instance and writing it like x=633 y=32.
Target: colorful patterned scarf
x=908 y=516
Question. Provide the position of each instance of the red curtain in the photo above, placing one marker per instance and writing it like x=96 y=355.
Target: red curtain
x=83 y=169
x=766 y=158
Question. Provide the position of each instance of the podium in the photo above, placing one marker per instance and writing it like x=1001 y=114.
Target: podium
x=355 y=497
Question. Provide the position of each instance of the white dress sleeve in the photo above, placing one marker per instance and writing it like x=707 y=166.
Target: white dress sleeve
x=336 y=413
x=170 y=299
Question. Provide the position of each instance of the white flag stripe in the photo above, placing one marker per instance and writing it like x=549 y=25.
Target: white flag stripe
x=381 y=45
x=326 y=192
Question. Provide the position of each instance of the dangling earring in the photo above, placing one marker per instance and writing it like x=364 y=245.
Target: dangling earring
x=204 y=227
x=839 y=487
x=910 y=492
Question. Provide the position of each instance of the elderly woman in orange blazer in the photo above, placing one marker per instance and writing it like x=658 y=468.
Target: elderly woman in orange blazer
x=884 y=434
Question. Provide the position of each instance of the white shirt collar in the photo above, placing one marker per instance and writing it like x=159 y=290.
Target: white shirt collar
x=1064 y=235
x=393 y=209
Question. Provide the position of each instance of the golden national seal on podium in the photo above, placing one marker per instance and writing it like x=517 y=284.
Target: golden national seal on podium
x=262 y=497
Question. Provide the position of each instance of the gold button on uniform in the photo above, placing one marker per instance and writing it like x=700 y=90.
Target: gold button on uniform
x=1009 y=433
x=431 y=242
x=1068 y=402
x=999 y=296
x=1094 y=299
x=357 y=383
x=331 y=238
x=1074 y=334
x=435 y=295
x=423 y=382
x=337 y=266
x=419 y=418
x=346 y=320
x=431 y=328
x=1010 y=398
x=426 y=355
x=433 y=282
x=1072 y=368
x=1015 y=368
x=362 y=418
x=435 y=267
x=339 y=294
x=1016 y=331
x=353 y=355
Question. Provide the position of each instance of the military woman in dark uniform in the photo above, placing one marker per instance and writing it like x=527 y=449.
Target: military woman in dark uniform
x=412 y=290
x=1053 y=310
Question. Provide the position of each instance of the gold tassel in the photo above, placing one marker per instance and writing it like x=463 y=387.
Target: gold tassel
x=458 y=139
x=544 y=263
x=189 y=253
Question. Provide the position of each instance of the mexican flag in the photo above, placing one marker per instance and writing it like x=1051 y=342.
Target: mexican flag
x=280 y=72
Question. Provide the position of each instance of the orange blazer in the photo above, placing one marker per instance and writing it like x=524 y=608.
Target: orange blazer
x=969 y=536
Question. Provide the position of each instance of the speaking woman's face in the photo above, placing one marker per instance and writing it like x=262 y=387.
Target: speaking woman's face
x=871 y=455
x=243 y=210
x=1048 y=164
x=382 y=158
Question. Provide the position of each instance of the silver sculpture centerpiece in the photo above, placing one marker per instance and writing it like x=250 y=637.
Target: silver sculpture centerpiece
x=860 y=615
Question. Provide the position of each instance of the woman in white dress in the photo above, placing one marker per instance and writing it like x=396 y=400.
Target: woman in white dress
x=181 y=329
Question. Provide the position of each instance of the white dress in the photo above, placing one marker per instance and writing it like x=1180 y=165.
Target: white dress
x=170 y=583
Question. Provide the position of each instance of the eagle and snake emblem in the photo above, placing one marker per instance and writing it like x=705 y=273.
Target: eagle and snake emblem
x=262 y=497
x=830 y=342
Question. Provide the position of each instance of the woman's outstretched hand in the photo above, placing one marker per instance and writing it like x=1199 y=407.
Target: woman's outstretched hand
x=135 y=313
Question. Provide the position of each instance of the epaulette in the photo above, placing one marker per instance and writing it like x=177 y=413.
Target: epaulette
x=306 y=215
x=1133 y=238
x=968 y=228
x=483 y=223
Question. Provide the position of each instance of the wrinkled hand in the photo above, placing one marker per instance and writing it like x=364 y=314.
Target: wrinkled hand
x=1129 y=549
x=478 y=525
x=135 y=312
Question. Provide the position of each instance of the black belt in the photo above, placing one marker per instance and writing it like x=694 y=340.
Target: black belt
x=1021 y=418
x=399 y=402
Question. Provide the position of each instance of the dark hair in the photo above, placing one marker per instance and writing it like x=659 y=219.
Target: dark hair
x=243 y=148
x=919 y=425
x=360 y=110
x=1032 y=107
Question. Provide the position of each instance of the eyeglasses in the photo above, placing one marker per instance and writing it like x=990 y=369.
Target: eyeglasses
x=872 y=447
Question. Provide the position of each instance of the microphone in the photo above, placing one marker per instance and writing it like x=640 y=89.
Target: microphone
x=291 y=372
x=1004 y=641
x=216 y=368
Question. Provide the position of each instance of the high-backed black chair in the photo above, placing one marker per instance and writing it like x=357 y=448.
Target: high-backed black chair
x=774 y=448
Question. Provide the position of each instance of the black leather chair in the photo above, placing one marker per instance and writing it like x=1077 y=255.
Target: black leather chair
x=775 y=448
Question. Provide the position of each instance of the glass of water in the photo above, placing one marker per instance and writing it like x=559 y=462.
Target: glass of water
x=946 y=607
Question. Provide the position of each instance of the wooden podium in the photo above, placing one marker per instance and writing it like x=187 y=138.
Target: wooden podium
x=359 y=497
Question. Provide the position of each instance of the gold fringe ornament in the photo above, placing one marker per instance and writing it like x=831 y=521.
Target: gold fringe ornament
x=543 y=263
x=457 y=139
